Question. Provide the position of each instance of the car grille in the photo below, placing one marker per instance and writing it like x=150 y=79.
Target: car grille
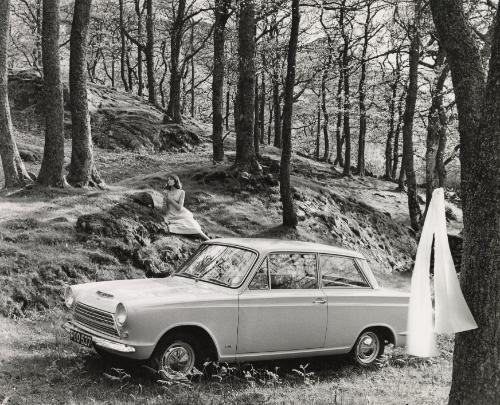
x=96 y=319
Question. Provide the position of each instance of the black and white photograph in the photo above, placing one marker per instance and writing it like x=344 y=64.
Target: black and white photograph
x=250 y=202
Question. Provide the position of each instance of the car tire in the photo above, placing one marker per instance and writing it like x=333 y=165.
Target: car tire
x=368 y=348
x=177 y=353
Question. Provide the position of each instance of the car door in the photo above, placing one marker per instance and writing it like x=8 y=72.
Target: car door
x=350 y=301
x=283 y=309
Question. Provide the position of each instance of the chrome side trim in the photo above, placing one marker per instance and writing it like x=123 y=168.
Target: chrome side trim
x=101 y=342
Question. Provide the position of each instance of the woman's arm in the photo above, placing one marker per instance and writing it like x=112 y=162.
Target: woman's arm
x=178 y=204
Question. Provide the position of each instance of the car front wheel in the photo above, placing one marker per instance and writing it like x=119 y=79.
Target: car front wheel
x=177 y=354
x=368 y=347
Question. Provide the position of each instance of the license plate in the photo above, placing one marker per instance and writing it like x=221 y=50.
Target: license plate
x=81 y=338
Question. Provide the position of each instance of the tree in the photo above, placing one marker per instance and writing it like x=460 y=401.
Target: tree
x=14 y=171
x=149 y=51
x=244 y=103
x=289 y=214
x=82 y=170
x=123 y=49
x=345 y=76
x=436 y=131
x=221 y=17
x=411 y=98
x=176 y=35
x=52 y=170
x=476 y=358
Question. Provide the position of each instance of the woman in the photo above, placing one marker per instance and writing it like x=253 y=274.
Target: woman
x=180 y=220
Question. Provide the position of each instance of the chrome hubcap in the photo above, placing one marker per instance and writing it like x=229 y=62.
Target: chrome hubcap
x=367 y=348
x=179 y=357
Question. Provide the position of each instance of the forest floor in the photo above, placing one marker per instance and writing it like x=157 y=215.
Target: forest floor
x=42 y=250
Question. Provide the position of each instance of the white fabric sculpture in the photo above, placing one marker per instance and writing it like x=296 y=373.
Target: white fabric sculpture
x=452 y=315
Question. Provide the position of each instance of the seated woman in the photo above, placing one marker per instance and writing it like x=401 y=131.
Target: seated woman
x=180 y=220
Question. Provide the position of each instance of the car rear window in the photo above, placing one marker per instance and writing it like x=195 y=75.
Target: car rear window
x=340 y=271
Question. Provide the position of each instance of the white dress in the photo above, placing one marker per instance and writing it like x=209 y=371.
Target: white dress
x=180 y=221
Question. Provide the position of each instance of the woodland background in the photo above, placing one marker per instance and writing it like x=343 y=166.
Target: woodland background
x=329 y=121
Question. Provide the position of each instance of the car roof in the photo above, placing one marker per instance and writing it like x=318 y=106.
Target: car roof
x=266 y=245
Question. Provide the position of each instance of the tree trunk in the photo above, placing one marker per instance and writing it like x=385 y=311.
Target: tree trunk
x=476 y=358
x=82 y=171
x=149 y=51
x=270 y=123
x=347 y=101
x=318 y=129
x=244 y=110
x=339 y=159
x=256 y=127
x=436 y=129
x=228 y=109
x=52 y=170
x=397 y=132
x=326 y=116
x=346 y=118
x=289 y=214
x=392 y=122
x=221 y=17
x=262 y=109
x=123 y=49
x=411 y=98
x=140 y=81
x=277 y=110
x=176 y=35
x=192 y=90
x=13 y=167
x=362 y=94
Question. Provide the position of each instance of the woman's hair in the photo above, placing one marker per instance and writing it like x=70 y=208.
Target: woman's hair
x=177 y=182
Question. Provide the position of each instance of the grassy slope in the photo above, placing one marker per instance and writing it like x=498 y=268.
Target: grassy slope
x=40 y=252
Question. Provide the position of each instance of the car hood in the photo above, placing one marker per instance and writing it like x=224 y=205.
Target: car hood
x=153 y=291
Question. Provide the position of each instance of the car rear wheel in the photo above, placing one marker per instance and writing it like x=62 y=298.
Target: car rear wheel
x=177 y=354
x=368 y=347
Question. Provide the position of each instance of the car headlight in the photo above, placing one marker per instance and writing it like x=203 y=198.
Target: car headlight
x=69 y=297
x=120 y=314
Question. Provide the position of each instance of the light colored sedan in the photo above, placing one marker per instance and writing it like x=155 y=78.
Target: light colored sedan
x=239 y=300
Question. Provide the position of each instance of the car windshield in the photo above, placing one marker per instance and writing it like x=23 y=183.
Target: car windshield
x=219 y=264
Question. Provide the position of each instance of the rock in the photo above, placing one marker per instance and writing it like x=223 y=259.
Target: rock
x=152 y=199
x=301 y=215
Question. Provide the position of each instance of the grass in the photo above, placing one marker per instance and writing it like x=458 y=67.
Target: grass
x=40 y=366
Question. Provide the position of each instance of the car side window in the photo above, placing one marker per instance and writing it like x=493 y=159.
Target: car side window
x=292 y=271
x=261 y=279
x=338 y=271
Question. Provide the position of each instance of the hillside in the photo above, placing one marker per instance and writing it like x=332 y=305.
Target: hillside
x=45 y=246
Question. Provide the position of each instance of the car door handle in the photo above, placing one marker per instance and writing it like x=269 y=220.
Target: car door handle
x=319 y=301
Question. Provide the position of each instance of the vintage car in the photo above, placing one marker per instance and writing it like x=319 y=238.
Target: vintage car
x=241 y=299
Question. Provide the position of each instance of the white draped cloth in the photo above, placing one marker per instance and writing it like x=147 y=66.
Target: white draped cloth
x=451 y=315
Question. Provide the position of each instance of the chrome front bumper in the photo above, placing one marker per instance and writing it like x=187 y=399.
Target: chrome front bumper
x=99 y=341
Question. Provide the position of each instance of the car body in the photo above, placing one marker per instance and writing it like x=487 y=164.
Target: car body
x=239 y=299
